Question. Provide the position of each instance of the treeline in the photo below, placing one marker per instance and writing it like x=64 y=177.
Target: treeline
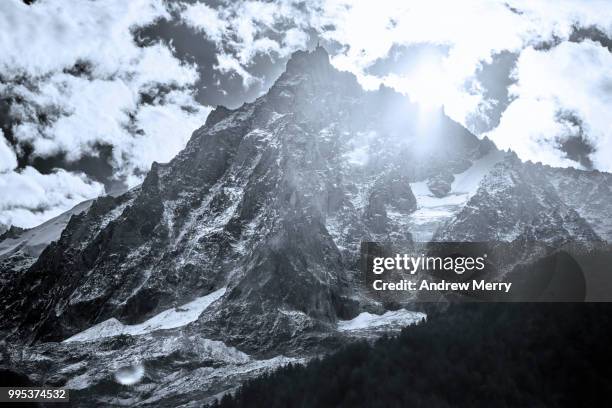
x=474 y=355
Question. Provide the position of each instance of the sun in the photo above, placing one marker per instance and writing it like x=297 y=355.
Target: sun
x=427 y=83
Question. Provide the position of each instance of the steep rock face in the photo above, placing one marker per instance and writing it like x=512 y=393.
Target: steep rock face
x=517 y=201
x=60 y=271
x=589 y=193
x=270 y=200
x=19 y=247
x=441 y=184
x=523 y=219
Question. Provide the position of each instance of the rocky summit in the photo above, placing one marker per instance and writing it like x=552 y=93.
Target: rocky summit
x=242 y=253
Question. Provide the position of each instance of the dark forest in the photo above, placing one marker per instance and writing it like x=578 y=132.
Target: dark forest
x=474 y=355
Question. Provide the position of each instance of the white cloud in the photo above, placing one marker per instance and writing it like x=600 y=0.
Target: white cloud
x=167 y=128
x=97 y=111
x=294 y=39
x=472 y=31
x=29 y=198
x=8 y=159
x=90 y=111
x=62 y=112
x=244 y=29
x=227 y=63
x=571 y=77
x=57 y=111
x=205 y=19
x=49 y=36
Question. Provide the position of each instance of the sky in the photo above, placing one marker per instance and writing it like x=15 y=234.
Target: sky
x=92 y=92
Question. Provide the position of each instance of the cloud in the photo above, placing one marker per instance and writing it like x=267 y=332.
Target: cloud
x=8 y=159
x=228 y=63
x=158 y=122
x=49 y=36
x=88 y=112
x=294 y=39
x=570 y=78
x=462 y=39
x=473 y=32
x=77 y=80
x=243 y=30
x=29 y=198
x=207 y=20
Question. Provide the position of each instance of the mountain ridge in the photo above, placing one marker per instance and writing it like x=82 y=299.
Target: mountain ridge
x=269 y=202
x=283 y=166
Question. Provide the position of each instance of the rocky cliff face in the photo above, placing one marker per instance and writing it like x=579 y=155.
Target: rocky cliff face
x=588 y=192
x=270 y=203
x=525 y=213
x=19 y=247
x=270 y=200
x=518 y=201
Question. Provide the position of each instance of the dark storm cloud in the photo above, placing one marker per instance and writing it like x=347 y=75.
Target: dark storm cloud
x=591 y=33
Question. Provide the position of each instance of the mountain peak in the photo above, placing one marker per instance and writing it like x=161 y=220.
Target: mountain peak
x=301 y=60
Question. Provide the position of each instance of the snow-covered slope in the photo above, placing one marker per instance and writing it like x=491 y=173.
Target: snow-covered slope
x=433 y=211
x=168 y=319
x=34 y=240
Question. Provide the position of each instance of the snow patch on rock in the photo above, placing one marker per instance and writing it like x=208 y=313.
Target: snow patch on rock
x=392 y=318
x=168 y=319
x=433 y=211
x=34 y=240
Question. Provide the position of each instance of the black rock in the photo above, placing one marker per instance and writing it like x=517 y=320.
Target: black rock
x=440 y=184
